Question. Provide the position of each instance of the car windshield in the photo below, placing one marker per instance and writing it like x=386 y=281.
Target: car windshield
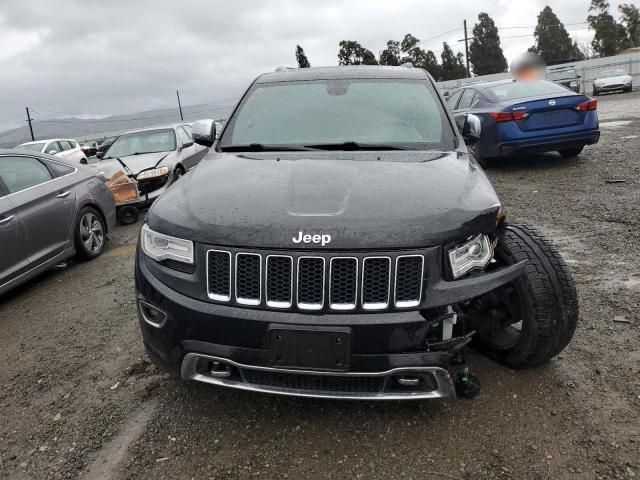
x=380 y=113
x=150 y=141
x=561 y=75
x=32 y=147
x=612 y=73
x=523 y=89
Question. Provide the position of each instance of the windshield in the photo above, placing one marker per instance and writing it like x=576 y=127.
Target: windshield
x=523 y=89
x=32 y=147
x=561 y=75
x=362 y=113
x=612 y=73
x=150 y=141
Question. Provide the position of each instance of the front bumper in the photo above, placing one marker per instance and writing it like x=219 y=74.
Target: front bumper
x=229 y=346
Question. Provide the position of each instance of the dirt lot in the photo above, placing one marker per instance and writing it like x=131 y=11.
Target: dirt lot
x=78 y=398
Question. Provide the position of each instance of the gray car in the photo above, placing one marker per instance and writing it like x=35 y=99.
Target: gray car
x=50 y=210
x=155 y=157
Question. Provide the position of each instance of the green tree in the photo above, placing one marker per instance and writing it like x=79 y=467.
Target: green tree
x=452 y=65
x=391 y=54
x=610 y=37
x=301 y=58
x=352 y=53
x=630 y=18
x=485 y=53
x=553 y=43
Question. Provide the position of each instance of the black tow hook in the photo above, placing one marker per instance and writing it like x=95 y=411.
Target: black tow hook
x=467 y=384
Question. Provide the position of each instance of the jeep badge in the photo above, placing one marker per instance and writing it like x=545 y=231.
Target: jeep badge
x=323 y=239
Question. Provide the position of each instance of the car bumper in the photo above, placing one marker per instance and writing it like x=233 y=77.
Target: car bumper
x=548 y=143
x=230 y=346
x=614 y=87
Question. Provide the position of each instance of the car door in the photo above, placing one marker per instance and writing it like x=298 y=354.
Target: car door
x=53 y=148
x=188 y=153
x=44 y=204
x=13 y=260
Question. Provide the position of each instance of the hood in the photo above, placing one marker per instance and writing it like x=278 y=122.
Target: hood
x=135 y=163
x=613 y=80
x=362 y=199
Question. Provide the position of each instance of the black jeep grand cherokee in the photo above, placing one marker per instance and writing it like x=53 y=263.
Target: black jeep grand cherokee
x=341 y=242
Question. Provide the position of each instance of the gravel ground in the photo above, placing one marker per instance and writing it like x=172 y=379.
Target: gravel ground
x=79 y=399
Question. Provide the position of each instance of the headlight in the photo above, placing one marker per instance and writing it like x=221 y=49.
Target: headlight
x=476 y=253
x=573 y=84
x=154 y=172
x=164 y=247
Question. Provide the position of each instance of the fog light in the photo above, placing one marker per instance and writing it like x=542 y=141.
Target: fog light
x=152 y=315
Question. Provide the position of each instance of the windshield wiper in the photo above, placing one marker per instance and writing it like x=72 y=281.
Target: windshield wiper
x=357 y=146
x=263 y=147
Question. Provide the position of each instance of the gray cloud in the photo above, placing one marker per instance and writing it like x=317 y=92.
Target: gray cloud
x=94 y=56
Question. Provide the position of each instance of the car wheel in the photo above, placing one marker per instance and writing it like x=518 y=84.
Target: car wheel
x=595 y=92
x=90 y=233
x=481 y=159
x=533 y=318
x=83 y=161
x=571 y=152
x=127 y=214
x=629 y=88
x=178 y=172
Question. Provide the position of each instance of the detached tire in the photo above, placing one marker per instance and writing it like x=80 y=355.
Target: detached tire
x=571 y=152
x=90 y=234
x=542 y=304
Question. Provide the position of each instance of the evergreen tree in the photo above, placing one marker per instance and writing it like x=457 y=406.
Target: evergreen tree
x=610 y=37
x=301 y=58
x=485 y=53
x=630 y=18
x=553 y=43
x=391 y=54
x=452 y=65
x=352 y=53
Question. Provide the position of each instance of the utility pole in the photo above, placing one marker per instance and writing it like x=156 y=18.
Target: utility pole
x=30 y=126
x=179 y=106
x=466 y=49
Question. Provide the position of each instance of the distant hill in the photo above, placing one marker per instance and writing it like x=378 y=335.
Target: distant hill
x=98 y=128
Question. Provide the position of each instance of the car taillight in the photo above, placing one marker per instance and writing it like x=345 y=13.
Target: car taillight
x=508 y=116
x=588 y=105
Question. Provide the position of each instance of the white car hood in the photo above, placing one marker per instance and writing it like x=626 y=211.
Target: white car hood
x=613 y=80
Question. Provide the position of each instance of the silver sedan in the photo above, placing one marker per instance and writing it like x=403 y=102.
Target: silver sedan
x=50 y=210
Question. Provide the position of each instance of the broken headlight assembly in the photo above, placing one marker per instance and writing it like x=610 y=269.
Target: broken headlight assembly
x=153 y=173
x=164 y=247
x=475 y=253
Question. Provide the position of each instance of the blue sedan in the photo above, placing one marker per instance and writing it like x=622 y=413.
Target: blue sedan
x=521 y=116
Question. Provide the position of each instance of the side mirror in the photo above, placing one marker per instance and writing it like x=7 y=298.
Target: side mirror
x=470 y=128
x=186 y=145
x=204 y=132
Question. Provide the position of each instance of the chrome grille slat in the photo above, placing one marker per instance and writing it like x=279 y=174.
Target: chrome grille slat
x=343 y=283
x=310 y=283
x=409 y=279
x=279 y=281
x=376 y=282
x=248 y=278
x=316 y=282
x=219 y=275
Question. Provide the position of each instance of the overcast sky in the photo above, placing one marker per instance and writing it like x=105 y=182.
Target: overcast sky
x=123 y=56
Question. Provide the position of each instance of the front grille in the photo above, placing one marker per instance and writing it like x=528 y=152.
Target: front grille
x=321 y=282
x=315 y=383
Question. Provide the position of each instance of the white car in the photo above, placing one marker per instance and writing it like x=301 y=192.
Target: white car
x=60 y=147
x=611 y=80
